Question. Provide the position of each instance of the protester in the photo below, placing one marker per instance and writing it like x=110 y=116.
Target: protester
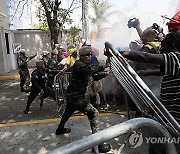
x=75 y=94
x=134 y=22
x=150 y=46
x=169 y=61
x=62 y=64
x=22 y=61
x=38 y=79
x=73 y=56
x=174 y=23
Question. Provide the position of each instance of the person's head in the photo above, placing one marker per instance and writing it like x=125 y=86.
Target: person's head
x=22 y=52
x=149 y=35
x=54 y=53
x=58 y=46
x=85 y=54
x=171 y=43
x=64 y=55
x=40 y=64
x=174 y=23
x=45 y=53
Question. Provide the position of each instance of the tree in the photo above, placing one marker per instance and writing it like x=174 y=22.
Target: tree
x=73 y=34
x=43 y=26
x=52 y=14
x=56 y=16
x=102 y=10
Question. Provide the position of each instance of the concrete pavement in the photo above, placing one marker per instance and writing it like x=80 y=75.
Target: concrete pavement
x=34 y=133
x=10 y=75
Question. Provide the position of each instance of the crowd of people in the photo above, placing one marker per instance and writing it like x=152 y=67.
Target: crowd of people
x=158 y=51
x=166 y=64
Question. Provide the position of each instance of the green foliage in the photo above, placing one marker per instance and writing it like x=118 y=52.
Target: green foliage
x=52 y=14
x=43 y=26
x=102 y=11
x=73 y=34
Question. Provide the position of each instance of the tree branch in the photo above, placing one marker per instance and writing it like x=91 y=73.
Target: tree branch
x=23 y=9
x=16 y=9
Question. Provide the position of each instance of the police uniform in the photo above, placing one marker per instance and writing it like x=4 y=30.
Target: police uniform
x=23 y=71
x=53 y=69
x=38 y=79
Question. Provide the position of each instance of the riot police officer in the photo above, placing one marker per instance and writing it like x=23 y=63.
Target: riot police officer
x=38 y=79
x=22 y=61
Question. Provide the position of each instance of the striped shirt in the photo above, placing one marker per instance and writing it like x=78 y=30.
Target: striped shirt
x=170 y=86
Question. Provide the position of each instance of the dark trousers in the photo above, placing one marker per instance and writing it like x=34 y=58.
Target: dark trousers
x=35 y=92
x=24 y=77
x=83 y=106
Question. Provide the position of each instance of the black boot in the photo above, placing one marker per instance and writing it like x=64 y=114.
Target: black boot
x=26 y=111
x=103 y=148
x=22 y=89
x=62 y=130
x=41 y=103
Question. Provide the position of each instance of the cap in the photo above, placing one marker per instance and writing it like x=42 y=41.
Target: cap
x=44 y=53
x=59 y=46
x=85 y=50
x=22 y=51
x=39 y=63
x=174 y=22
x=56 y=45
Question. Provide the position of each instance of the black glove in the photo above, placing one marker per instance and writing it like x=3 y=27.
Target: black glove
x=133 y=22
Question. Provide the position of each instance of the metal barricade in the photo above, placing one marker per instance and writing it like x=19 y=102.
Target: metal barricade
x=139 y=91
x=113 y=132
x=61 y=82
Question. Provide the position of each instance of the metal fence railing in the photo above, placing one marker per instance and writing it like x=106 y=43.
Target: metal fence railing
x=139 y=91
x=112 y=132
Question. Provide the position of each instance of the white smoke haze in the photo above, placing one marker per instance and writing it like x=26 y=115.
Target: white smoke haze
x=117 y=32
x=148 y=12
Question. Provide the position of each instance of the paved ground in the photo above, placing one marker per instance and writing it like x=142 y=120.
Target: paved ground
x=34 y=133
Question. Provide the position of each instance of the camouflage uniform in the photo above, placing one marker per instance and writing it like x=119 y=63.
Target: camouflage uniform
x=45 y=60
x=53 y=70
x=23 y=71
x=76 y=90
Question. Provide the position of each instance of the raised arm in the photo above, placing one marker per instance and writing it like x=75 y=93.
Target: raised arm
x=144 y=57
